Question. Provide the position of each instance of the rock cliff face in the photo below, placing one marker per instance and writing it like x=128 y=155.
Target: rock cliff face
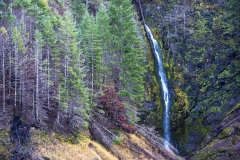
x=200 y=44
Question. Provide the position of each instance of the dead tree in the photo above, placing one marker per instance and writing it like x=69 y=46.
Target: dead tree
x=20 y=136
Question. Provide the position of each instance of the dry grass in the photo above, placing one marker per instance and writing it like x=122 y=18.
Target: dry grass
x=131 y=154
x=50 y=147
x=56 y=149
x=140 y=141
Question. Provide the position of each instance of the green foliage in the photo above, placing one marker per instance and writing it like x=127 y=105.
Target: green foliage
x=48 y=32
x=78 y=8
x=91 y=44
x=237 y=106
x=10 y=17
x=22 y=3
x=42 y=4
x=103 y=30
x=55 y=19
x=74 y=139
x=39 y=37
x=126 y=45
x=130 y=113
x=17 y=39
x=2 y=4
x=103 y=20
x=225 y=74
x=214 y=109
x=225 y=133
x=116 y=131
x=182 y=101
x=39 y=9
x=71 y=60
x=118 y=140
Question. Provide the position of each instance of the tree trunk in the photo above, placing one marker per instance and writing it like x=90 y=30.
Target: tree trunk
x=48 y=76
x=3 y=77
x=15 y=76
x=37 y=94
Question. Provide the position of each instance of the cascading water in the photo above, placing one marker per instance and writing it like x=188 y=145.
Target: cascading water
x=164 y=83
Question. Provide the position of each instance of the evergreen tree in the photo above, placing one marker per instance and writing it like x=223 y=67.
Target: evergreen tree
x=103 y=20
x=92 y=50
x=71 y=85
x=126 y=44
x=50 y=44
x=79 y=9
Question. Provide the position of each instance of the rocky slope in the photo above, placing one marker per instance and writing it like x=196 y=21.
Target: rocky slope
x=225 y=144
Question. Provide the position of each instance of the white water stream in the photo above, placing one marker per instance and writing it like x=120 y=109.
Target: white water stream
x=164 y=84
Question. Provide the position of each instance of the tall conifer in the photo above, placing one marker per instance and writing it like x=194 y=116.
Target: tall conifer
x=92 y=50
x=103 y=28
x=126 y=43
x=72 y=87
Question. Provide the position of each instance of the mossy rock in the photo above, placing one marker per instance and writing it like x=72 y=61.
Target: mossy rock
x=225 y=133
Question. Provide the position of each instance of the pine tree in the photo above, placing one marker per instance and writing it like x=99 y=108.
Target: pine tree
x=126 y=44
x=103 y=20
x=50 y=44
x=79 y=9
x=92 y=51
x=71 y=85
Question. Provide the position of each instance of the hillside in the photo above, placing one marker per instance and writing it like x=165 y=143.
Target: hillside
x=80 y=79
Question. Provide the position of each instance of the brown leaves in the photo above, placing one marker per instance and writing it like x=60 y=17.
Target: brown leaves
x=114 y=108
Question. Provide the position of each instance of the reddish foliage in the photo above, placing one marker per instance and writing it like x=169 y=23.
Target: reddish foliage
x=114 y=108
x=122 y=119
x=60 y=12
x=129 y=128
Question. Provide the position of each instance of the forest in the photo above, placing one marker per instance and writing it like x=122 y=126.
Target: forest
x=56 y=64
x=61 y=61
x=82 y=73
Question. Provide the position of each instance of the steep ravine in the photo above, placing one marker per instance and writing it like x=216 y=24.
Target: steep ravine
x=199 y=42
x=200 y=47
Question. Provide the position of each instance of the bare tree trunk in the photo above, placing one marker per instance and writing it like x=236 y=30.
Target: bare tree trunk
x=33 y=103
x=15 y=76
x=48 y=76
x=184 y=21
x=10 y=72
x=23 y=64
x=66 y=71
x=3 y=77
x=37 y=94
x=59 y=107
x=92 y=59
x=175 y=23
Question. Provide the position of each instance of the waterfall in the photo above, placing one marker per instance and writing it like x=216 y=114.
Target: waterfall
x=164 y=84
